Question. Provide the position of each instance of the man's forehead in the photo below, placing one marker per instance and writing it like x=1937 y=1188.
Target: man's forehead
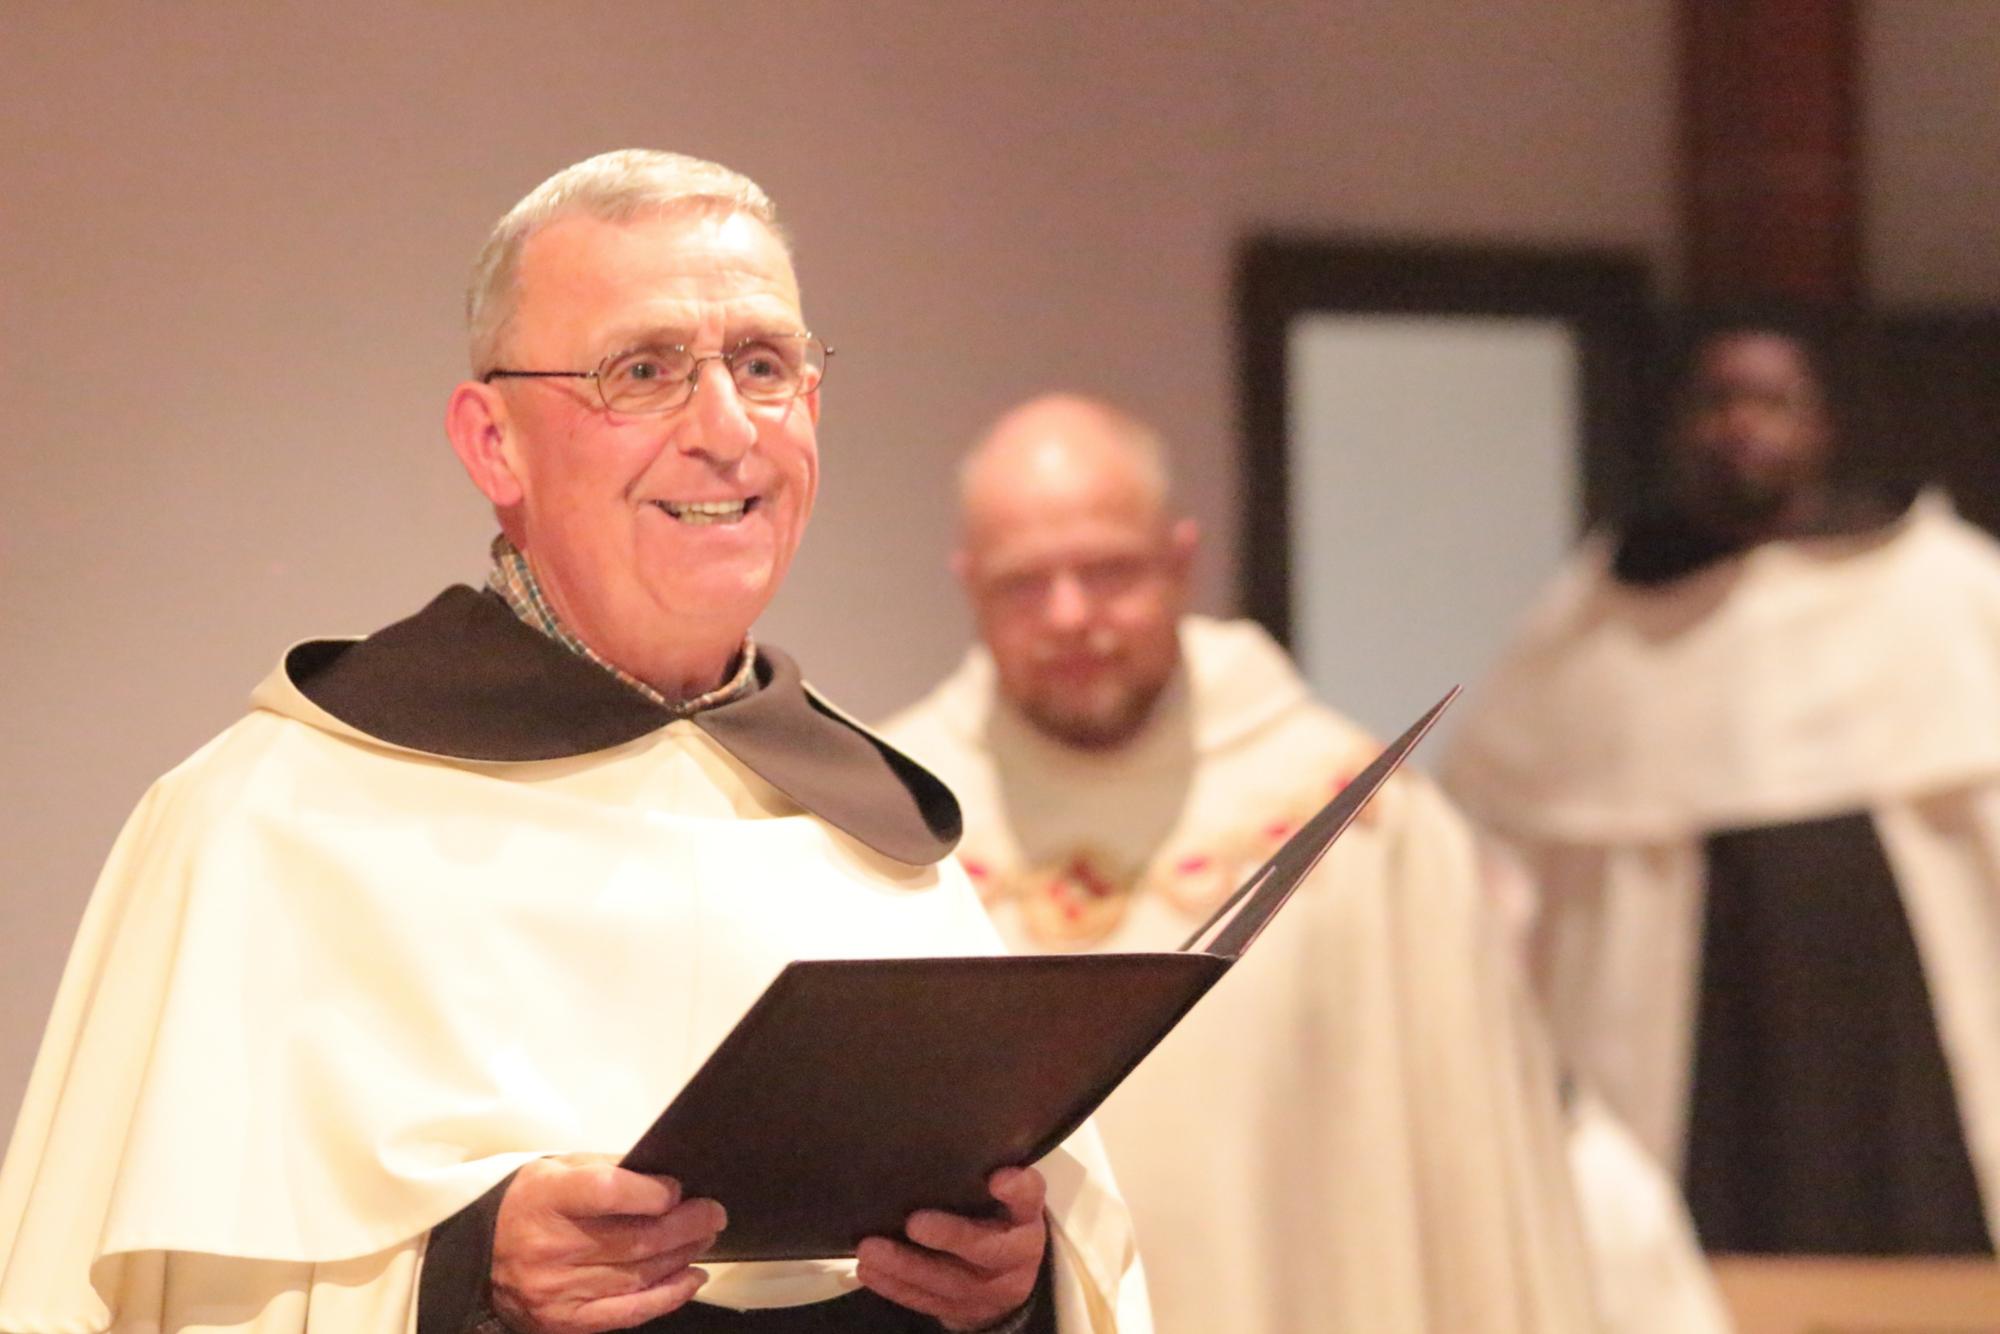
x=1756 y=354
x=1055 y=492
x=1066 y=536
x=668 y=257
x=674 y=228
x=1055 y=472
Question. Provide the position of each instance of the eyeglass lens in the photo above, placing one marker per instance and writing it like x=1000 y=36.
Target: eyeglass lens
x=765 y=370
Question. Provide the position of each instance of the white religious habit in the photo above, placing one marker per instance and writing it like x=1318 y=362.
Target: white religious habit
x=1357 y=1129
x=1656 y=749
x=338 y=981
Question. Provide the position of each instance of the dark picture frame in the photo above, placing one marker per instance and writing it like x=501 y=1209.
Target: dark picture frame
x=1602 y=295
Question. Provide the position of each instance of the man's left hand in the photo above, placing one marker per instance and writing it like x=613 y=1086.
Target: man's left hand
x=966 y=1272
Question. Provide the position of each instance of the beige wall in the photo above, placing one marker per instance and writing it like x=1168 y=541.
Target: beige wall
x=232 y=236
x=1931 y=150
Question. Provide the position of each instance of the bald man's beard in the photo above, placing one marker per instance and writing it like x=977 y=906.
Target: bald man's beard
x=1101 y=718
x=1096 y=715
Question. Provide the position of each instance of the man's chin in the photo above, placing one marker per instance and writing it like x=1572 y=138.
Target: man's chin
x=1105 y=727
x=1736 y=500
x=715 y=593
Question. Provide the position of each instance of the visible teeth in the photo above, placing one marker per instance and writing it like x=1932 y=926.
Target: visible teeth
x=706 y=511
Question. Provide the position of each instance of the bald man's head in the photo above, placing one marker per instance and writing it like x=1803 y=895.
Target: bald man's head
x=1059 y=428
x=1076 y=569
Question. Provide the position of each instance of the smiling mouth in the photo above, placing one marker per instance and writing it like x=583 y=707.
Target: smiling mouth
x=701 y=512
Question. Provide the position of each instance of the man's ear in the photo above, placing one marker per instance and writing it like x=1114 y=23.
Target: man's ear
x=477 y=422
x=1183 y=540
x=961 y=568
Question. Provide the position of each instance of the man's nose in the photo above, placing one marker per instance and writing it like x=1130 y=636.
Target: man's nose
x=1068 y=605
x=718 y=421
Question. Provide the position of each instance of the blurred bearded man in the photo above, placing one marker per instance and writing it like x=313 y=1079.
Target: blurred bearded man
x=1355 y=1130
x=1749 y=745
x=377 y=987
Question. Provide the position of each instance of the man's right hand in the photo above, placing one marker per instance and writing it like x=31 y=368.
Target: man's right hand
x=582 y=1245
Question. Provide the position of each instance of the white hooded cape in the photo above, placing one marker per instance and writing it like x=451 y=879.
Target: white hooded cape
x=1798 y=680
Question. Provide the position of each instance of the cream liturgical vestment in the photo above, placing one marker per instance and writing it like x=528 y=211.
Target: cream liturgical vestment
x=448 y=899
x=1710 y=773
x=1355 y=1130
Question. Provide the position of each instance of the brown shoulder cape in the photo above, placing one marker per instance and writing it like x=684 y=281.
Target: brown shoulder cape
x=465 y=678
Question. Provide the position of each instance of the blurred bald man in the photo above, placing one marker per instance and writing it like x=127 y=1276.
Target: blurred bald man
x=1355 y=1130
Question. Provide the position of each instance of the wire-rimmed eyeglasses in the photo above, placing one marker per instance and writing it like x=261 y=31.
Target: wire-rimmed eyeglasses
x=765 y=368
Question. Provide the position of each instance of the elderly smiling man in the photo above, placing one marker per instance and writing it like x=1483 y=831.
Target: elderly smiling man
x=377 y=985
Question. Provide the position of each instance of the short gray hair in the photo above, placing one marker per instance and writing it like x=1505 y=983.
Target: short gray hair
x=614 y=187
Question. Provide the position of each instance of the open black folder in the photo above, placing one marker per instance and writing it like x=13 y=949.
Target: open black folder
x=855 y=1091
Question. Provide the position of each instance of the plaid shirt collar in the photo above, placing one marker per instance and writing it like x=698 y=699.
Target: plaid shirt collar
x=514 y=580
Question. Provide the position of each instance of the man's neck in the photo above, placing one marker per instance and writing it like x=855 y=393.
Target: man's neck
x=684 y=681
x=679 y=670
x=1662 y=545
x=1789 y=515
x=682 y=685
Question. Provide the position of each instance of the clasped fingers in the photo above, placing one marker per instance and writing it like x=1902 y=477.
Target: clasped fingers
x=991 y=1245
x=582 y=1245
x=961 y=1295
x=966 y=1272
